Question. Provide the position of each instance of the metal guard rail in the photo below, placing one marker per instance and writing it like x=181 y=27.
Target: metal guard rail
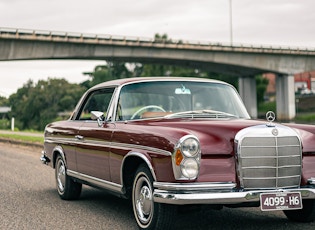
x=57 y=36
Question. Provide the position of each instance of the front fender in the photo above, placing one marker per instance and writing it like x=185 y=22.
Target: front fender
x=141 y=158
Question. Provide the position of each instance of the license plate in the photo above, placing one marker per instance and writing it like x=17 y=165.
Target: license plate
x=280 y=201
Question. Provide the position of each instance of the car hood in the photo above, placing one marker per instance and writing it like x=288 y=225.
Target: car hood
x=217 y=136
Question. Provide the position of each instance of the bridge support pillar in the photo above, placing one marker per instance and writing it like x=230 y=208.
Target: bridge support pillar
x=285 y=97
x=247 y=90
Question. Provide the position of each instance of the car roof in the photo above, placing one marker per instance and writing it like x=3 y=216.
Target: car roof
x=124 y=81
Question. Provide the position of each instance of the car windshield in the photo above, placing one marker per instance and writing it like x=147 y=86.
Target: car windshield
x=179 y=99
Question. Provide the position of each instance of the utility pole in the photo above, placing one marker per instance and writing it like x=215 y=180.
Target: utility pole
x=231 y=23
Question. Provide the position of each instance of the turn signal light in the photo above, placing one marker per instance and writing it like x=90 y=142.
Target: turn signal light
x=178 y=157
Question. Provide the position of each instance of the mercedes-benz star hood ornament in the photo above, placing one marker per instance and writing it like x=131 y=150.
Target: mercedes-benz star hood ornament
x=271 y=117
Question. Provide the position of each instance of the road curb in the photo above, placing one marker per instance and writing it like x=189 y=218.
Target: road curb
x=17 y=142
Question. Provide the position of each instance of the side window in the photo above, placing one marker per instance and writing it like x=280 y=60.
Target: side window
x=98 y=100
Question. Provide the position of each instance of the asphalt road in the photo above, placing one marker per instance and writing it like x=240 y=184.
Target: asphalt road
x=28 y=200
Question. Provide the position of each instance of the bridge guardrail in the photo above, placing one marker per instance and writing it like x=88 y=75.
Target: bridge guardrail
x=59 y=36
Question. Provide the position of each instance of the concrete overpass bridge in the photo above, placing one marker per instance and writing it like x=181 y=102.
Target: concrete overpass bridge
x=240 y=61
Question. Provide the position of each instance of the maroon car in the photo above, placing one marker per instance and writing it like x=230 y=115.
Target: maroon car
x=167 y=142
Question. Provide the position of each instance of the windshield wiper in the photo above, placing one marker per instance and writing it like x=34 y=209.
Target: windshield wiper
x=220 y=113
x=201 y=114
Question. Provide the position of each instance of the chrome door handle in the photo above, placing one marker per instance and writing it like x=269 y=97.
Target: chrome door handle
x=79 y=137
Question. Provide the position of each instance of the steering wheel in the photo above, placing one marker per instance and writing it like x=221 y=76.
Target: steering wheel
x=145 y=108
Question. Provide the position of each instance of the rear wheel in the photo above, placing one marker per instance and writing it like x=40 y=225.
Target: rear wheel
x=66 y=187
x=148 y=214
x=307 y=214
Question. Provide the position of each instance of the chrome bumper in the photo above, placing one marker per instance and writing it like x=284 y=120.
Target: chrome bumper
x=44 y=159
x=214 y=193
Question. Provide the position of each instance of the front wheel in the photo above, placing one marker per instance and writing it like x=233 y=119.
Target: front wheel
x=148 y=214
x=307 y=214
x=66 y=187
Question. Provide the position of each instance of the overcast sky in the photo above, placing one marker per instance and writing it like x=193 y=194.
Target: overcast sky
x=263 y=22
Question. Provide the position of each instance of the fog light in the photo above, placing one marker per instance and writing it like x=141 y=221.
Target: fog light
x=190 y=168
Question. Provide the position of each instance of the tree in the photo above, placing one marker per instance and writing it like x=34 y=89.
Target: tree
x=162 y=38
x=233 y=80
x=35 y=105
x=261 y=85
x=109 y=71
x=4 y=120
x=4 y=101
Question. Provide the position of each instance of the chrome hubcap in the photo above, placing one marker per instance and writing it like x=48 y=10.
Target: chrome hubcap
x=143 y=200
x=61 y=176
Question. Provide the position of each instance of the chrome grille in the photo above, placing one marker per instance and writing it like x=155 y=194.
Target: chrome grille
x=266 y=161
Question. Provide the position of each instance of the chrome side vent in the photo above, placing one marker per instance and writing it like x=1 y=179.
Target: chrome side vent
x=268 y=157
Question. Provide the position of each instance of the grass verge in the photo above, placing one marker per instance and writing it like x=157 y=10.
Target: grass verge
x=305 y=118
x=22 y=138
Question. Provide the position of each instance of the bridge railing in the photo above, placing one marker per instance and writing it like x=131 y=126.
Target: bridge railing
x=58 y=36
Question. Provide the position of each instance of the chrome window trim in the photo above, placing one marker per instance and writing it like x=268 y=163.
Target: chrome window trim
x=174 y=79
x=86 y=95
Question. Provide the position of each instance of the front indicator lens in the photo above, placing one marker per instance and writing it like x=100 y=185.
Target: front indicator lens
x=190 y=168
x=178 y=157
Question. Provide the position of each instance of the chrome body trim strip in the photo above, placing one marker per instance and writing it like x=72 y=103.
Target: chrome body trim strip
x=214 y=193
x=54 y=140
x=142 y=147
x=73 y=140
x=117 y=188
x=311 y=180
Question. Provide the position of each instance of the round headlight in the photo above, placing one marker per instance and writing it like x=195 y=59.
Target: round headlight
x=190 y=168
x=190 y=147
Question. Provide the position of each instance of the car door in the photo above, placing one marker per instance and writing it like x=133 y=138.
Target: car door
x=93 y=141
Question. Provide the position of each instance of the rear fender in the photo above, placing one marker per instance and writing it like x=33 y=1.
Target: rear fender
x=58 y=150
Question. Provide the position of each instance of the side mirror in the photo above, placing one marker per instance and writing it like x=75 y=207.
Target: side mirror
x=99 y=116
